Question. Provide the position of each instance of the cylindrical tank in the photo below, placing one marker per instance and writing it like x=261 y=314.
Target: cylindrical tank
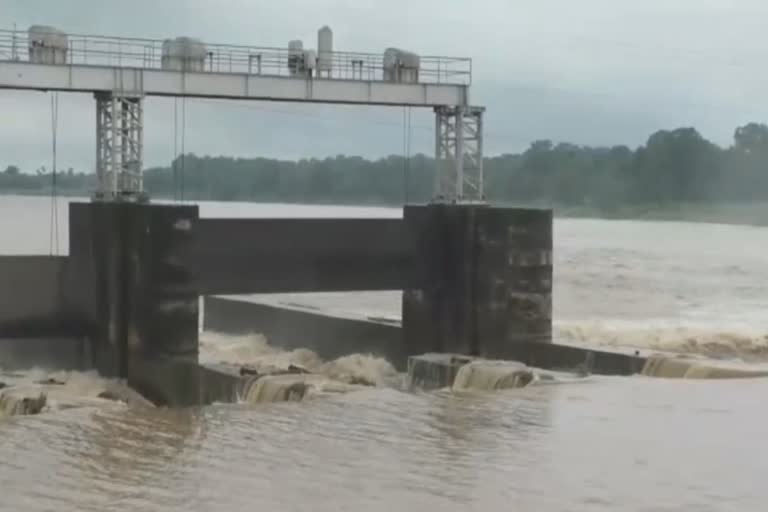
x=295 y=56
x=310 y=60
x=47 y=45
x=390 y=64
x=401 y=66
x=409 y=60
x=325 y=49
x=184 y=54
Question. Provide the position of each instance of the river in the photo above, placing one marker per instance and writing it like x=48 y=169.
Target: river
x=601 y=443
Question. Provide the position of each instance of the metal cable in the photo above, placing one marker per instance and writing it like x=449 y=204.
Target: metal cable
x=183 y=141
x=408 y=156
x=174 y=169
x=407 y=133
x=405 y=167
x=54 y=225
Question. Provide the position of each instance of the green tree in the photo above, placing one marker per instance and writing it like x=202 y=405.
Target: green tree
x=673 y=166
x=677 y=165
x=751 y=138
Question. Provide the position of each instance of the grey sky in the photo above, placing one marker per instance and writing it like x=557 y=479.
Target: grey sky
x=587 y=71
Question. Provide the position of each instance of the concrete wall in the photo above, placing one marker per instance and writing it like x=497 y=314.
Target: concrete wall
x=35 y=327
x=181 y=383
x=569 y=358
x=31 y=296
x=54 y=353
x=241 y=256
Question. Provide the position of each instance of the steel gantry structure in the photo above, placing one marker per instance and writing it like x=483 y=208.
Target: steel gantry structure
x=121 y=72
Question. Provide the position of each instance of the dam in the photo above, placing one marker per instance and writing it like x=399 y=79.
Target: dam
x=331 y=409
x=475 y=279
x=131 y=284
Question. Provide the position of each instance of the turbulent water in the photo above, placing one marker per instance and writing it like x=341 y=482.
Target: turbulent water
x=38 y=390
x=357 y=441
x=349 y=373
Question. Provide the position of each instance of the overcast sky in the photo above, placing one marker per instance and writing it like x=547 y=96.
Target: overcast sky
x=586 y=71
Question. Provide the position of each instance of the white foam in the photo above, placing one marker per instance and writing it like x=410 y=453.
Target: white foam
x=363 y=369
x=61 y=389
x=747 y=345
x=254 y=350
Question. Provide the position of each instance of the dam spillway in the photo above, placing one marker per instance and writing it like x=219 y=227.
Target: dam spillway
x=475 y=280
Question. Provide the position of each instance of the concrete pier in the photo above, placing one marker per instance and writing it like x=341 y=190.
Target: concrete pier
x=131 y=289
x=482 y=279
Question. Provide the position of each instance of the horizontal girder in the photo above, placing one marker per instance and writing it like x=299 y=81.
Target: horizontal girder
x=157 y=82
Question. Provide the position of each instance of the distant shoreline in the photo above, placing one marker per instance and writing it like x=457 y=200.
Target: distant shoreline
x=743 y=214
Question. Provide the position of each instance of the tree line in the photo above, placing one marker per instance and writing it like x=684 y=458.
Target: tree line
x=673 y=166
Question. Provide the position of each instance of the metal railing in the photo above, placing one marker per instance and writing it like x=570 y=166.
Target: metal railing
x=147 y=54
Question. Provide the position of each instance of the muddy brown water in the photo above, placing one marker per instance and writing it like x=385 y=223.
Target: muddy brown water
x=598 y=443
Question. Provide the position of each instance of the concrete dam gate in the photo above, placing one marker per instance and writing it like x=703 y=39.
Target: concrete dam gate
x=476 y=279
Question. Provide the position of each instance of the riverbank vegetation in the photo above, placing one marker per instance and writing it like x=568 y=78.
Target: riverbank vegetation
x=676 y=174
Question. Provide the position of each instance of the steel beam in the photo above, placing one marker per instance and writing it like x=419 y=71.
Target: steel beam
x=119 y=147
x=156 y=82
x=459 y=155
